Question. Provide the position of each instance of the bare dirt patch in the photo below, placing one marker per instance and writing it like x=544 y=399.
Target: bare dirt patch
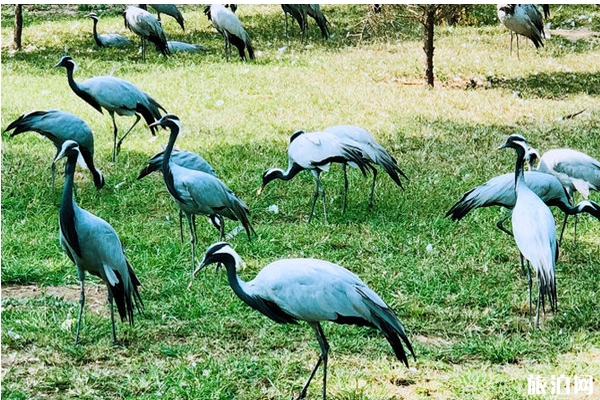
x=575 y=34
x=95 y=295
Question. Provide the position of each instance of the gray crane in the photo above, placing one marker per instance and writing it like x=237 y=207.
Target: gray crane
x=577 y=172
x=315 y=151
x=311 y=290
x=229 y=25
x=107 y=39
x=116 y=96
x=300 y=13
x=372 y=151
x=147 y=27
x=522 y=19
x=60 y=126
x=170 y=10
x=197 y=192
x=500 y=191
x=185 y=159
x=183 y=47
x=94 y=247
x=534 y=230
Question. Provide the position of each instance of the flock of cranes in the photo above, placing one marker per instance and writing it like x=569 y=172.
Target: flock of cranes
x=288 y=290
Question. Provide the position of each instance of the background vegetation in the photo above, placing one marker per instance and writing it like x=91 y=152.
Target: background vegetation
x=455 y=286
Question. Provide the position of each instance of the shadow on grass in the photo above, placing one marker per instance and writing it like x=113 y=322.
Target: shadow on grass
x=555 y=85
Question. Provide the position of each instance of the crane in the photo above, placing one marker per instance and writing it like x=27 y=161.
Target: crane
x=534 y=230
x=94 y=247
x=116 y=96
x=300 y=13
x=522 y=19
x=147 y=27
x=184 y=159
x=229 y=25
x=107 y=39
x=197 y=192
x=170 y=10
x=183 y=47
x=315 y=151
x=60 y=126
x=372 y=151
x=311 y=290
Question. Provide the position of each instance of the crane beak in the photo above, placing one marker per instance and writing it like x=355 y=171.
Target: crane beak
x=200 y=268
x=502 y=147
x=260 y=190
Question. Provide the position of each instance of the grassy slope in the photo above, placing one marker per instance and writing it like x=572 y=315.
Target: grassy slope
x=463 y=303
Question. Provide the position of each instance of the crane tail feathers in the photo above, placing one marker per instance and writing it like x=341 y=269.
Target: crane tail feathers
x=385 y=319
x=127 y=297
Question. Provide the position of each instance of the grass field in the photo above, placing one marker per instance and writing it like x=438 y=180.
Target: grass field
x=456 y=287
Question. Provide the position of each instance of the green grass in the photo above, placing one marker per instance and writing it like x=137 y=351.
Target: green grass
x=464 y=303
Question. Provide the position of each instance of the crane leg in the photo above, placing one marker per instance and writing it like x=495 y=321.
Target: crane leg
x=511 y=40
x=372 y=185
x=537 y=318
x=314 y=202
x=322 y=358
x=345 y=187
x=53 y=172
x=181 y=224
x=81 y=303
x=575 y=232
x=112 y=315
x=143 y=49
x=562 y=231
x=529 y=282
x=115 y=131
x=137 y=119
x=518 y=57
x=192 y=224
x=323 y=195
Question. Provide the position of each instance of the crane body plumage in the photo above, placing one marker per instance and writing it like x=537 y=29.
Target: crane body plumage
x=147 y=27
x=534 y=230
x=300 y=13
x=116 y=96
x=372 y=151
x=232 y=30
x=170 y=10
x=94 y=247
x=522 y=19
x=311 y=290
x=59 y=126
x=577 y=171
x=499 y=191
x=197 y=192
x=315 y=151
x=107 y=39
x=183 y=47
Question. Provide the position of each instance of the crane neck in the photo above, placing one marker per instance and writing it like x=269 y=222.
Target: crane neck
x=237 y=284
x=80 y=92
x=519 y=167
x=166 y=167
x=277 y=173
x=67 y=206
x=96 y=37
x=89 y=161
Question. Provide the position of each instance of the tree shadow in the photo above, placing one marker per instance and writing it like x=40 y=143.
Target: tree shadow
x=555 y=86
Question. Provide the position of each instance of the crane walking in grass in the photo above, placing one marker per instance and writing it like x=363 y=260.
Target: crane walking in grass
x=229 y=25
x=116 y=96
x=185 y=159
x=107 y=39
x=311 y=290
x=197 y=192
x=170 y=10
x=315 y=151
x=94 y=247
x=147 y=27
x=522 y=19
x=372 y=152
x=60 y=126
x=534 y=231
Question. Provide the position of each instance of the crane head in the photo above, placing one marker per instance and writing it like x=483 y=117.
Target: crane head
x=221 y=252
x=93 y=16
x=515 y=140
x=167 y=121
x=69 y=148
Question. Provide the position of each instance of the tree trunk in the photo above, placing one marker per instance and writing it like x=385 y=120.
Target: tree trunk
x=428 y=47
x=18 y=26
